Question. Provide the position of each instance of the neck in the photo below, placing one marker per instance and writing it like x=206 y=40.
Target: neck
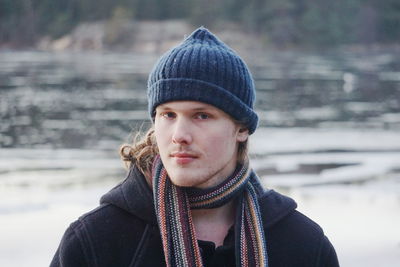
x=213 y=224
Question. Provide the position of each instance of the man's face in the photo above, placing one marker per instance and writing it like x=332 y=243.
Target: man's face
x=197 y=142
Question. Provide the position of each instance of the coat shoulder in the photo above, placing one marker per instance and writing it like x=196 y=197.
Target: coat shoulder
x=302 y=226
x=71 y=251
x=100 y=236
x=293 y=239
x=296 y=240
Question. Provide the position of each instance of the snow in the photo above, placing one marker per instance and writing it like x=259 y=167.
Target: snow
x=32 y=226
x=270 y=140
x=361 y=221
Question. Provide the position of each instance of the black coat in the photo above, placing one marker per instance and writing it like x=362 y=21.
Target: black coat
x=123 y=231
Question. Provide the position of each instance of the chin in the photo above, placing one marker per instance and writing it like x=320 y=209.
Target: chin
x=184 y=180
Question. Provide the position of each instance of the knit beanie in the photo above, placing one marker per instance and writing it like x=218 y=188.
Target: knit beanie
x=203 y=68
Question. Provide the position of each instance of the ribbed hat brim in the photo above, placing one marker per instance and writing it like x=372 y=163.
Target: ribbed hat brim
x=176 y=89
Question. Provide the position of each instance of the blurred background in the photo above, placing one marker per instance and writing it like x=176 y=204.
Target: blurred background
x=73 y=89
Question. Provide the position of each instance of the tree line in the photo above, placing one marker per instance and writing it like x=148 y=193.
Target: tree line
x=279 y=22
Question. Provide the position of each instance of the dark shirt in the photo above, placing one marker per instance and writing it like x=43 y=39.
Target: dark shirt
x=221 y=256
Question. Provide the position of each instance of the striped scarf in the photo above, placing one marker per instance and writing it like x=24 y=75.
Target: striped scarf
x=173 y=204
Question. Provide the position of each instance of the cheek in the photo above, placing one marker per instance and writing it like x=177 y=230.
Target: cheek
x=222 y=145
x=161 y=137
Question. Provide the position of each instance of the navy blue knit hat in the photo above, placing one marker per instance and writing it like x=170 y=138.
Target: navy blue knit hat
x=203 y=68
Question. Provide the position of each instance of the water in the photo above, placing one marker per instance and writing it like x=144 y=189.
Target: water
x=86 y=100
x=329 y=137
x=69 y=100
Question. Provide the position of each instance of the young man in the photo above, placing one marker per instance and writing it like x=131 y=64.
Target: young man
x=190 y=198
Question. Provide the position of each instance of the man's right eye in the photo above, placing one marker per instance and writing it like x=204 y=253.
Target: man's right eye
x=168 y=115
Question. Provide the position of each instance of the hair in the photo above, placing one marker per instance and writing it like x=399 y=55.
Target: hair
x=143 y=150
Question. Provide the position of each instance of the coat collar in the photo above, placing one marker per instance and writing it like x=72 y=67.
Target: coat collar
x=133 y=195
x=136 y=197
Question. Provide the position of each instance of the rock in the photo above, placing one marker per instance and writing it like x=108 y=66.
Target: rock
x=61 y=44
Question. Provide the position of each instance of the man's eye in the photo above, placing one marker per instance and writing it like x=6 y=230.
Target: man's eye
x=168 y=115
x=203 y=116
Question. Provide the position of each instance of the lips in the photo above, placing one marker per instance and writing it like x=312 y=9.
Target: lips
x=183 y=158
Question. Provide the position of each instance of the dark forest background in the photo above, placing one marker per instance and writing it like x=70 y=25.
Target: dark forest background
x=316 y=23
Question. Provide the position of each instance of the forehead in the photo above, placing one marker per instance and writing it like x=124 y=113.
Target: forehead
x=188 y=106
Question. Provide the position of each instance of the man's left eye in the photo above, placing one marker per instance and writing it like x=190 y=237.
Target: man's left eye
x=203 y=116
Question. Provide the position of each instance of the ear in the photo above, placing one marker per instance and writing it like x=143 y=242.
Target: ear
x=242 y=134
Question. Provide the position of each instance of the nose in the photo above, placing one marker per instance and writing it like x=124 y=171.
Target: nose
x=182 y=132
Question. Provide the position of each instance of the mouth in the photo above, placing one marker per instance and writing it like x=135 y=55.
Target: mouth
x=183 y=158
